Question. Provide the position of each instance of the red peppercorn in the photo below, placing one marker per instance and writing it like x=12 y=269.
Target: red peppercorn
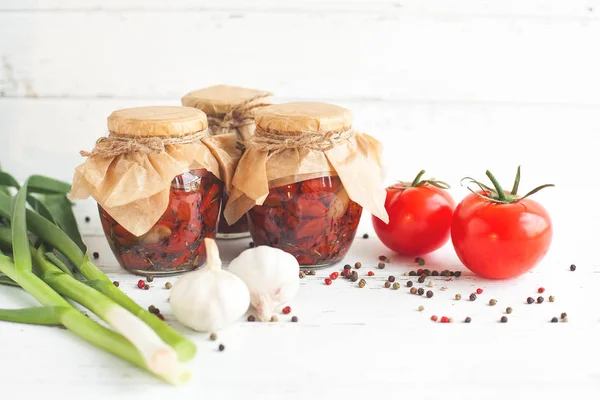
x=334 y=275
x=141 y=284
x=328 y=281
x=419 y=271
x=541 y=290
x=445 y=320
x=370 y=273
x=479 y=290
x=286 y=310
x=434 y=318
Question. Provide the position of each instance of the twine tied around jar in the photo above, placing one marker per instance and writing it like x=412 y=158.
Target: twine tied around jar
x=240 y=115
x=277 y=141
x=114 y=145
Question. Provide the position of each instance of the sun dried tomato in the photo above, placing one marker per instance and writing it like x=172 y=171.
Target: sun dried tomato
x=175 y=243
x=314 y=220
x=237 y=230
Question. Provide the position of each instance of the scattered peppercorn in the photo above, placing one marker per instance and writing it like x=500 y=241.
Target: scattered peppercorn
x=420 y=291
x=391 y=278
x=387 y=284
x=357 y=265
x=420 y=271
x=146 y=286
x=554 y=319
x=149 y=278
x=294 y=319
x=412 y=273
x=457 y=297
x=151 y=309
x=444 y=273
x=479 y=290
x=381 y=265
x=457 y=274
x=551 y=299
x=420 y=261
x=396 y=286
x=366 y=236
x=286 y=310
x=95 y=255
x=492 y=302
x=362 y=283
x=450 y=273
x=541 y=290
x=530 y=300
x=429 y=294
x=444 y=320
x=430 y=283
x=382 y=258
x=251 y=318
x=427 y=272
x=371 y=273
x=421 y=308
x=473 y=297
x=405 y=274
x=159 y=315
x=413 y=290
x=434 y=318
x=540 y=300
x=313 y=272
x=563 y=315
x=141 y=284
x=435 y=273
x=251 y=244
x=443 y=288
x=274 y=318
x=347 y=266
x=168 y=285
x=328 y=281
x=468 y=320
x=213 y=336
x=221 y=347
x=504 y=319
x=573 y=267
x=354 y=276
x=421 y=279
x=116 y=283
x=87 y=219
x=508 y=310
x=301 y=275
x=334 y=275
x=409 y=283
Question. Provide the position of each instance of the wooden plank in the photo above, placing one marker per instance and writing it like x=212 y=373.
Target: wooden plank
x=303 y=55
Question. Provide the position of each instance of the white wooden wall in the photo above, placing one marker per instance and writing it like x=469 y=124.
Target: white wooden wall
x=452 y=86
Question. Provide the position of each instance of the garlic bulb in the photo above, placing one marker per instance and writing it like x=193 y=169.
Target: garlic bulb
x=271 y=275
x=210 y=298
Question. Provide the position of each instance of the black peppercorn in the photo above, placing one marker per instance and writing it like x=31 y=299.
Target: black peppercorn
x=563 y=315
x=473 y=297
x=468 y=320
x=413 y=290
x=426 y=272
x=420 y=291
x=391 y=278
x=450 y=273
x=412 y=273
x=387 y=284
x=457 y=274
x=540 y=300
x=381 y=265
x=251 y=318
x=213 y=336
x=347 y=266
x=354 y=276
x=421 y=279
x=221 y=347
x=509 y=310
x=444 y=273
x=573 y=267
x=116 y=283
x=554 y=319
x=429 y=294
x=435 y=273
x=530 y=300
x=294 y=319
x=251 y=244
x=87 y=219
x=366 y=236
x=95 y=255
x=357 y=265
x=149 y=278
x=409 y=283
x=504 y=319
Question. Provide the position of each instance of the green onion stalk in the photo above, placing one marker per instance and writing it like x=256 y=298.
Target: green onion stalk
x=58 y=239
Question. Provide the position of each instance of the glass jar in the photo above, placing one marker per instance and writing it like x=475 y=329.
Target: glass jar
x=175 y=243
x=236 y=231
x=314 y=220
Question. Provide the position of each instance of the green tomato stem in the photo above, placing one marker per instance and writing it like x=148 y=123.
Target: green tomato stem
x=499 y=191
x=416 y=181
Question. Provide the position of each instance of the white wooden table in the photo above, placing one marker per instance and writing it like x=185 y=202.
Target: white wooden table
x=350 y=342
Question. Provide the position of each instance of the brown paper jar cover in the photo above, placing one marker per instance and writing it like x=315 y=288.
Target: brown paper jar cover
x=133 y=187
x=356 y=158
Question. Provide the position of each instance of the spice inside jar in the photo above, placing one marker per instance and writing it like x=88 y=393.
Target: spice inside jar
x=313 y=163
x=230 y=111
x=155 y=217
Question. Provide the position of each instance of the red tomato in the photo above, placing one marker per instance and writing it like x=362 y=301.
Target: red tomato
x=500 y=241
x=420 y=217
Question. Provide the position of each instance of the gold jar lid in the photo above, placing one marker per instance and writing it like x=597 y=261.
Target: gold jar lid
x=220 y=99
x=166 y=121
x=303 y=117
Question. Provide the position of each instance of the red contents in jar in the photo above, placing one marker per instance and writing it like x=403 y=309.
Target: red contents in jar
x=175 y=243
x=314 y=220
x=240 y=226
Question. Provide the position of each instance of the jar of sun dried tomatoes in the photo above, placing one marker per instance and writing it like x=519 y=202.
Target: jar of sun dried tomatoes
x=158 y=180
x=230 y=111
x=304 y=179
